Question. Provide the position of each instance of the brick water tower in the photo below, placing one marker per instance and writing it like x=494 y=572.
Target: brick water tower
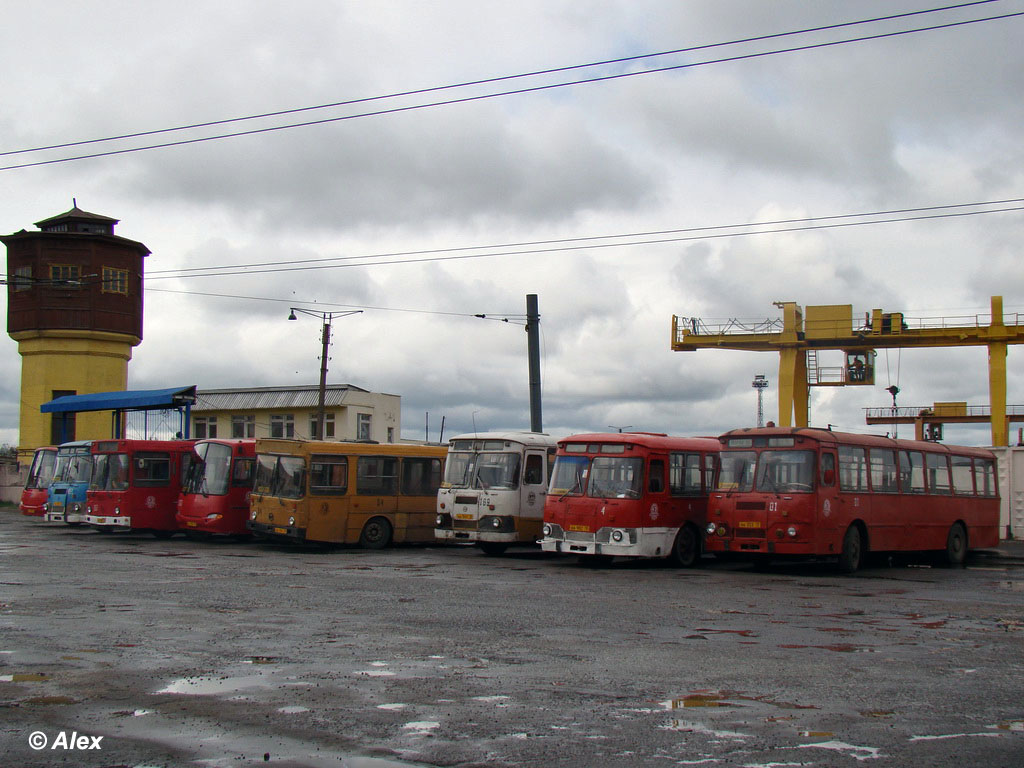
x=74 y=305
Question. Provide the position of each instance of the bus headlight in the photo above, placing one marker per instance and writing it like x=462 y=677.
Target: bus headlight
x=496 y=522
x=76 y=508
x=546 y=529
x=291 y=521
x=712 y=527
x=252 y=515
x=616 y=536
x=791 y=531
x=439 y=520
x=117 y=511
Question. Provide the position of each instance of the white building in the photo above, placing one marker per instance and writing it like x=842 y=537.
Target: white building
x=351 y=413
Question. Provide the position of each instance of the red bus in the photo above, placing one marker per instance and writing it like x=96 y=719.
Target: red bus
x=632 y=494
x=40 y=474
x=216 y=494
x=136 y=484
x=800 y=492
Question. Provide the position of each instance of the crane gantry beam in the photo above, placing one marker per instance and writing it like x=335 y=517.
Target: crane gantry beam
x=832 y=327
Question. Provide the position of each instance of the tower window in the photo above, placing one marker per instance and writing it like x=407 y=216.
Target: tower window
x=115 y=280
x=65 y=273
x=23 y=278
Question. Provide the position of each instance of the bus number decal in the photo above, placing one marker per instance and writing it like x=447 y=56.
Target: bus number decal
x=826 y=510
x=654 y=511
x=773 y=506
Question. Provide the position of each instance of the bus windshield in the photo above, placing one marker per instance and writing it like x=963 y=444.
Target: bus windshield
x=110 y=472
x=785 y=471
x=42 y=470
x=569 y=477
x=737 y=471
x=282 y=476
x=482 y=470
x=497 y=470
x=210 y=474
x=616 y=478
x=79 y=468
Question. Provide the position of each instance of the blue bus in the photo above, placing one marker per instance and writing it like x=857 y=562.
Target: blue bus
x=71 y=476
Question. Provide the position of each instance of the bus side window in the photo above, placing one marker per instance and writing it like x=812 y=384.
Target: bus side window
x=656 y=481
x=534 y=472
x=828 y=469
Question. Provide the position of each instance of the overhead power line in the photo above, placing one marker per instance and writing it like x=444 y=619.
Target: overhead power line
x=519 y=91
x=593 y=242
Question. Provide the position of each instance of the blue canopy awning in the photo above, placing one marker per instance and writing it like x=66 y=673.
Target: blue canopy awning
x=129 y=400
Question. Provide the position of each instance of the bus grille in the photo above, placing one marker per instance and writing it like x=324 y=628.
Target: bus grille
x=578 y=536
x=750 y=533
x=465 y=499
x=464 y=524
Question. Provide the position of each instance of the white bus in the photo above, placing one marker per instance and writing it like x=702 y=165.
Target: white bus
x=494 y=488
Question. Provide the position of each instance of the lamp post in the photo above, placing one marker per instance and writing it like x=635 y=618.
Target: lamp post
x=325 y=338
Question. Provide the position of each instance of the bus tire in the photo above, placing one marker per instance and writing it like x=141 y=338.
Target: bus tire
x=686 y=548
x=493 y=548
x=956 y=546
x=376 y=533
x=852 y=553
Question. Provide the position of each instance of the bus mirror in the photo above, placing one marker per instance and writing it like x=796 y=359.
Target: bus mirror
x=829 y=477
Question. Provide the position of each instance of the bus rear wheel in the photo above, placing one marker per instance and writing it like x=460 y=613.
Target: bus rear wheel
x=493 y=547
x=376 y=534
x=956 y=546
x=686 y=547
x=852 y=553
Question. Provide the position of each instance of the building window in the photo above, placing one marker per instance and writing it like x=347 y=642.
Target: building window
x=23 y=278
x=206 y=426
x=363 y=426
x=328 y=426
x=115 y=280
x=243 y=426
x=65 y=273
x=391 y=434
x=62 y=425
x=282 y=425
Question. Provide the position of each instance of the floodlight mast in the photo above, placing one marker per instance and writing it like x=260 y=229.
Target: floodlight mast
x=760 y=383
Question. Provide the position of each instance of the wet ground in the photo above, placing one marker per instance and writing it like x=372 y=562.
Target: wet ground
x=181 y=653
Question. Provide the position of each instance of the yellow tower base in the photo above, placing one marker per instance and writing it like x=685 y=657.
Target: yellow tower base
x=78 y=362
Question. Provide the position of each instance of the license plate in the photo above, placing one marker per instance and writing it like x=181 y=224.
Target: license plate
x=748 y=524
x=102 y=520
x=191 y=524
x=463 y=517
x=282 y=531
x=583 y=528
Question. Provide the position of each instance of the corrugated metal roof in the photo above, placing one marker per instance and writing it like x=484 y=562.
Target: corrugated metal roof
x=271 y=398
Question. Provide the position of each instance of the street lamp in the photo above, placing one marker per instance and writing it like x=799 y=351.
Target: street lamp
x=326 y=318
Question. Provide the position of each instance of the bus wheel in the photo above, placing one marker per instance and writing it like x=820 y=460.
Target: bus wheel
x=493 y=547
x=686 y=548
x=852 y=554
x=376 y=534
x=956 y=545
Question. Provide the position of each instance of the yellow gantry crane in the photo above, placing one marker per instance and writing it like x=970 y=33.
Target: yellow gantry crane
x=802 y=333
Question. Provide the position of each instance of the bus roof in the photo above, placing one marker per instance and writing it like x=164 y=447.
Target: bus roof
x=850 y=438
x=657 y=441
x=523 y=438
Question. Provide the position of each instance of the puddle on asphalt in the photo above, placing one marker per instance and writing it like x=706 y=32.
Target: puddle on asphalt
x=24 y=678
x=690 y=727
x=857 y=753
x=207 y=685
x=293 y=710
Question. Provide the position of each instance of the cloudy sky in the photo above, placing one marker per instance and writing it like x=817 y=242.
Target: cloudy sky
x=786 y=127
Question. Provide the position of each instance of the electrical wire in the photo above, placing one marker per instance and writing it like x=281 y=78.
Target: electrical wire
x=513 y=92
x=491 y=80
x=161 y=274
x=591 y=246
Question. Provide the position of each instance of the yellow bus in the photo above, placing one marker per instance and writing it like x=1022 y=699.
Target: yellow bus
x=345 y=493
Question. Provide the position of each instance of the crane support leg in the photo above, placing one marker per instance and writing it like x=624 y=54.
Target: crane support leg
x=793 y=390
x=997 y=391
